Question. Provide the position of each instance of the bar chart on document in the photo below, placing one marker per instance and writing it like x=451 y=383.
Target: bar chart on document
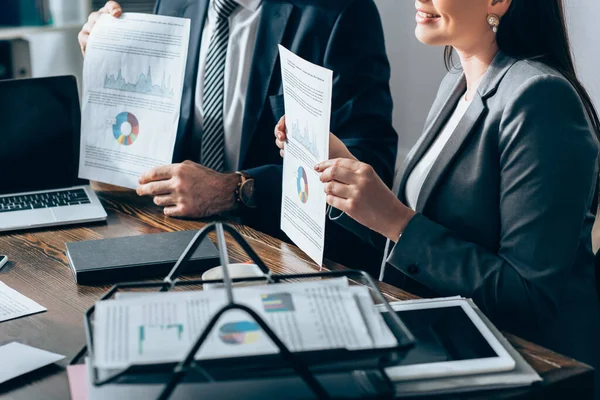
x=133 y=80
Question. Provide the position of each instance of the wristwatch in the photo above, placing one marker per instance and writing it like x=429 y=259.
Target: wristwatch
x=244 y=193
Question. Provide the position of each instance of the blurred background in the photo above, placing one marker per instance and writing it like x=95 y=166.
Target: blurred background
x=39 y=38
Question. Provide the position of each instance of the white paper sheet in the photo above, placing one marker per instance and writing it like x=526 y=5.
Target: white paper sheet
x=18 y=359
x=306 y=316
x=132 y=85
x=14 y=305
x=307 y=95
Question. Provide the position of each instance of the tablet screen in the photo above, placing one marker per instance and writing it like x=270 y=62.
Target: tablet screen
x=444 y=334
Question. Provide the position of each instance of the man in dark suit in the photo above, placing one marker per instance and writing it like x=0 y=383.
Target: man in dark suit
x=225 y=157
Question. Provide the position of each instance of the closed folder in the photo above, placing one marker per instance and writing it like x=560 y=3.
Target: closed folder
x=136 y=257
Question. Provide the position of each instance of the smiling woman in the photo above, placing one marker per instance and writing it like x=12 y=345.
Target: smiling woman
x=497 y=199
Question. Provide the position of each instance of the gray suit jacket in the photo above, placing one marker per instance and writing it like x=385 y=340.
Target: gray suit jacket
x=505 y=215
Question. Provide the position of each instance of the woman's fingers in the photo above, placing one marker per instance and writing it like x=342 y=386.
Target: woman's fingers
x=280 y=143
x=336 y=172
x=338 y=202
x=338 y=189
x=347 y=163
x=280 y=133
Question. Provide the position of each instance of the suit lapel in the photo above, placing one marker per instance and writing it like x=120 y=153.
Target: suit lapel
x=196 y=11
x=430 y=133
x=451 y=149
x=272 y=25
x=492 y=78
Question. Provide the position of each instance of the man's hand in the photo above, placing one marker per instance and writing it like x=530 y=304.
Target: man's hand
x=189 y=190
x=112 y=7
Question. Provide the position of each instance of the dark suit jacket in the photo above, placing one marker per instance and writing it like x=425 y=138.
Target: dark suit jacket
x=506 y=213
x=345 y=36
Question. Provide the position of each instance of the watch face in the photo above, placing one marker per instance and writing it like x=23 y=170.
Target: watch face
x=247 y=193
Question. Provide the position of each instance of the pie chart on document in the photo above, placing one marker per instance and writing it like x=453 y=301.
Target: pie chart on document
x=126 y=128
x=302 y=185
x=241 y=332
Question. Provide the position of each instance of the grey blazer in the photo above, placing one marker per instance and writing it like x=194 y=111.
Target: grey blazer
x=505 y=215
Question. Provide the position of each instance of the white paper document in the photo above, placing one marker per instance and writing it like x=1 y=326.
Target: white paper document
x=14 y=305
x=306 y=316
x=307 y=91
x=17 y=359
x=132 y=85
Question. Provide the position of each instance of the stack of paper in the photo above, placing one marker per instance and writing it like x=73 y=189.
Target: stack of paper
x=161 y=327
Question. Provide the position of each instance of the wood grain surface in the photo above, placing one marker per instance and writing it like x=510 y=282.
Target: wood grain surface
x=38 y=268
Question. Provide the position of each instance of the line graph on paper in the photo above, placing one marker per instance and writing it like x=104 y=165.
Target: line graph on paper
x=306 y=139
x=143 y=85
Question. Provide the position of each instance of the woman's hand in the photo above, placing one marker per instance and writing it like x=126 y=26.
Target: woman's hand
x=355 y=188
x=337 y=149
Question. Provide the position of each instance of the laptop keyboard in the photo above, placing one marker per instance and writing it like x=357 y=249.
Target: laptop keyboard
x=63 y=198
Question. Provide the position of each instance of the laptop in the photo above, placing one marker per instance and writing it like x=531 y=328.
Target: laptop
x=39 y=156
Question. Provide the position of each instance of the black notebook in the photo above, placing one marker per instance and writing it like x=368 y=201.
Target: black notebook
x=136 y=257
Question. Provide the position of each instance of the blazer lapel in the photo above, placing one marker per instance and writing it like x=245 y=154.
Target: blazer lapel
x=430 y=133
x=272 y=25
x=451 y=149
x=492 y=78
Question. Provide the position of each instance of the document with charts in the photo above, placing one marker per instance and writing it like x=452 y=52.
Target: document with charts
x=161 y=327
x=307 y=90
x=132 y=87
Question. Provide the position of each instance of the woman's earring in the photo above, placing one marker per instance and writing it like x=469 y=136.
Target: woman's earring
x=493 y=20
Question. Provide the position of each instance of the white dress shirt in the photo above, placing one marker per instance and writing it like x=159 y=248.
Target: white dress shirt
x=243 y=27
x=419 y=173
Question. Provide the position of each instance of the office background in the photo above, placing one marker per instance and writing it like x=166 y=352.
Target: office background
x=416 y=69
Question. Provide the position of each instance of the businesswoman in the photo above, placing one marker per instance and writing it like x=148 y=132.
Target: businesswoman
x=496 y=200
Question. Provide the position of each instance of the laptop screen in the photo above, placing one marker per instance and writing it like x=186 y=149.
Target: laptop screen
x=39 y=134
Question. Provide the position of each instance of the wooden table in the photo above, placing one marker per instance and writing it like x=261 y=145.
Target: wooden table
x=38 y=268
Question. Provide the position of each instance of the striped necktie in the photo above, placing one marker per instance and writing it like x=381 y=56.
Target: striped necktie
x=213 y=137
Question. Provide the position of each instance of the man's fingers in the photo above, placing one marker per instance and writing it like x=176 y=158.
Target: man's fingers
x=84 y=34
x=337 y=173
x=164 y=201
x=174 y=211
x=164 y=172
x=113 y=8
x=93 y=17
x=83 y=38
x=155 y=188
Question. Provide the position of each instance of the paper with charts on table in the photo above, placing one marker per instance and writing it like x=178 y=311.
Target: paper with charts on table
x=307 y=91
x=132 y=87
x=161 y=327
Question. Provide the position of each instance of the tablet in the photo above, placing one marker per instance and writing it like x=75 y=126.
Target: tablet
x=451 y=340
